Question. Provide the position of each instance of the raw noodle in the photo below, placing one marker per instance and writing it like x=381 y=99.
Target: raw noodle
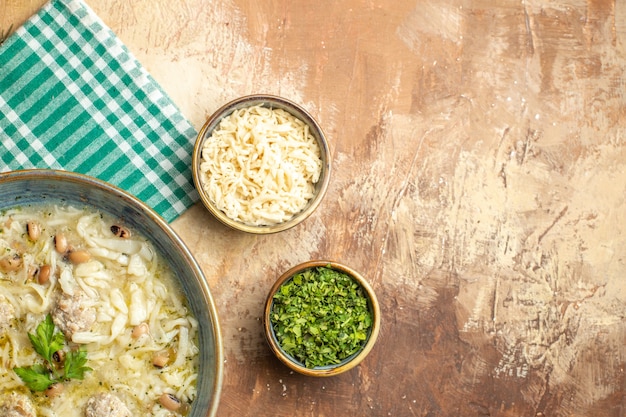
x=260 y=165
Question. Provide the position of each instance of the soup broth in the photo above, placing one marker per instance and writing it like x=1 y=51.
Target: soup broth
x=111 y=295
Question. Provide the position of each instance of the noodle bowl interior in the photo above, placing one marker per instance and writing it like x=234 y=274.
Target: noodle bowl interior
x=111 y=298
x=260 y=166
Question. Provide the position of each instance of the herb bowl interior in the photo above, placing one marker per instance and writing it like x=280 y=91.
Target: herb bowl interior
x=322 y=370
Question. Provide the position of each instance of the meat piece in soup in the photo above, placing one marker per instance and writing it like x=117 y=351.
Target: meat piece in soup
x=106 y=405
x=73 y=313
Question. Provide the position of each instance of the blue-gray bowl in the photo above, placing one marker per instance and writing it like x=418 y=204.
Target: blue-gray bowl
x=19 y=188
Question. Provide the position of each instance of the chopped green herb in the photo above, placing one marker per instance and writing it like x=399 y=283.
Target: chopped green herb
x=321 y=316
x=48 y=342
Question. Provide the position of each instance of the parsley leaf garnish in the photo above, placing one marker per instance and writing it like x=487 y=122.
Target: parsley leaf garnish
x=45 y=341
x=75 y=364
x=48 y=341
x=36 y=377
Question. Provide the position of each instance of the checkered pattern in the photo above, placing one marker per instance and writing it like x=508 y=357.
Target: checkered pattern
x=72 y=97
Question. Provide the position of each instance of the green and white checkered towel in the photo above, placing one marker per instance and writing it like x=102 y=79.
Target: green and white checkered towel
x=73 y=97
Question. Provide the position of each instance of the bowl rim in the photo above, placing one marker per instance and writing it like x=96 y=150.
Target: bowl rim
x=266 y=100
x=75 y=177
x=346 y=364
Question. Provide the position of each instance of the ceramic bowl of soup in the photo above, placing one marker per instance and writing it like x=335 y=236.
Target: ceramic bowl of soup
x=261 y=164
x=130 y=316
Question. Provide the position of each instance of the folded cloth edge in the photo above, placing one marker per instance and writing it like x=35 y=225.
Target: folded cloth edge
x=92 y=22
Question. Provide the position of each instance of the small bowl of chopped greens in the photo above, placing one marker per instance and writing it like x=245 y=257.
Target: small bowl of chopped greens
x=321 y=318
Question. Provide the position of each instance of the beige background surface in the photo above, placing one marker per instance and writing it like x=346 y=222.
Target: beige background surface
x=479 y=182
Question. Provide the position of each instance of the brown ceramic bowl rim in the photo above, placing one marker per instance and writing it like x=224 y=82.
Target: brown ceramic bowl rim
x=330 y=370
x=271 y=101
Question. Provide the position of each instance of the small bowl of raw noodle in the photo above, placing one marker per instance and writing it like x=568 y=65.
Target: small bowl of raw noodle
x=261 y=164
x=321 y=318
